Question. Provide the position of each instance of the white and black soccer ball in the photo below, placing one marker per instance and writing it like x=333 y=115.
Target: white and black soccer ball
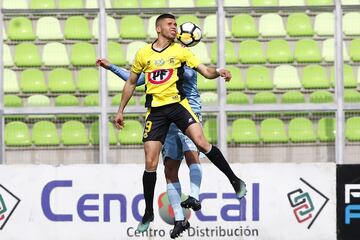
x=189 y=34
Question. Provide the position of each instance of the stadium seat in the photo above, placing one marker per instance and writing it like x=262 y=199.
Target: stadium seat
x=291 y=3
x=88 y=80
x=12 y=101
x=94 y=133
x=17 y=134
x=187 y=18
x=7 y=58
x=278 y=51
x=236 y=3
x=205 y=3
x=209 y=98
x=67 y=100
x=83 y=54
x=236 y=82
x=328 y=51
x=292 y=97
x=20 y=28
x=15 y=4
x=286 y=77
x=181 y=4
x=66 y=4
x=27 y=55
x=55 y=54
x=91 y=100
x=210 y=27
x=200 y=50
x=114 y=83
x=60 y=80
x=125 y=4
x=271 y=25
x=115 y=101
x=42 y=4
x=230 y=55
x=307 y=51
x=250 y=52
x=263 y=3
x=326 y=129
x=32 y=81
x=132 y=27
x=355 y=50
x=324 y=24
x=351 y=96
x=301 y=130
x=264 y=98
x=244 y=131
x=349 y=28
x=153 y=3
x=10 y=81
x=111 y=28
x=44 y=133
x=77 y=27
x=299 y=24
x=131 y=50
x=314 y=76
x=74 y=133
x=205 y=84
x=210 y=130
x=48 y=28
x=272 y=130
x=358 y=76
x=321 y=96
x=258 y=78
x=94 y=4
x=151 y=27
x=349 y=77
x=237 y=98
x=131 y=133
x=350 y=2
x=38 y=100
x=352 y=131
x=319 y=2
x=116 y=54
x=243 y=25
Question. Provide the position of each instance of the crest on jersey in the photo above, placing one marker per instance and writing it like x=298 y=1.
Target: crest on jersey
x=160 y=76
x=159 y=62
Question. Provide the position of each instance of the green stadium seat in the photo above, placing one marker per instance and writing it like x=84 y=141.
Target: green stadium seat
x=74 y=133
x=258 y=78
x=355 y=50
x=12 y=101
x=116 y=54
x=209 y=98
x=328 y=51
x=326 y=129
x=349 y=28
x=315 y=77
x=44 y=133
x=264 y=3
x=236 y=82
x=83 y=54
x=88 y=80
x=94 y=134
x=181 y=4
x=114 y=83
x=205 y=3
x=321 y=96
x=15 y=4
x=125 y=4
x=291 y=3
x=349 y=78
x=38 y=100
x=131 y=50
x=286 y=77
x=237 y=98
x=42 y=4
x=142 y=100
x=324 y=24
x=351 y=96
x=48 y=28
x=299 y=24
x=33 y=81
x=358 y=76
x=352 y=131
x=292 y=97
x=350 y=2
x=187 y=18
x=244 y=131
x=132 y=27
x=151 y=27
x=243 y=25
x=264 y=98
x=278 y=51
x=272 y=130
x=20 y=28
x=111 y=28
x=68 y=4
x=55 y=54
x=60 y=80
x=200 y=50
x=77 y=27
x=319 y=2
x=27 y=55
x=67 y=100
x=210 y=130
x=94 y=4
x=210 y=27
x=10 y=81
x=236 y=3
x=250 y=52
x=271 y=25
x=115 y=101
x=230 y=55
x=131 y=133
x=17 y=134
x=205 y=84
x=307 y=51
x=153 y=3
x=7 y=58
x=91 y=100
x=301 y=130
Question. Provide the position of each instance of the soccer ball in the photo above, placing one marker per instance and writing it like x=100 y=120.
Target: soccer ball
x=189 y=34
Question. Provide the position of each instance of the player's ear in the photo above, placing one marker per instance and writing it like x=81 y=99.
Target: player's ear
x=158 y=28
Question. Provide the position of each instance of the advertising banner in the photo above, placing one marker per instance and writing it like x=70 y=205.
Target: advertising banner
x=92 y=202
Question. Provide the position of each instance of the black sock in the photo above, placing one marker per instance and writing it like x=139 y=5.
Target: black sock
x=216 y=157
x=149 y=180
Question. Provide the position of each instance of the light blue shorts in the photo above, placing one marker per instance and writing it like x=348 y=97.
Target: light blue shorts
x=176 y=143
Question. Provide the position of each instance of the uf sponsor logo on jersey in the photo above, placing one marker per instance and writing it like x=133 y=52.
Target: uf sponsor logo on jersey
x=160 y=76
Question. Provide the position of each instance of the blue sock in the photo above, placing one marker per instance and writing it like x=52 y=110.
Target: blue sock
x=174 y=194
x=195 y=180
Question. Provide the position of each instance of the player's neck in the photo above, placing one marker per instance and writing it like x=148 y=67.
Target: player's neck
x=161 y=43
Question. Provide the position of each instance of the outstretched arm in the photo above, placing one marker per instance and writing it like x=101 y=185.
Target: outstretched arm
x=211 y=72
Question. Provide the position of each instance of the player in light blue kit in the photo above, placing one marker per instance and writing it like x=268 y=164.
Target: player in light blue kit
x=176 y=146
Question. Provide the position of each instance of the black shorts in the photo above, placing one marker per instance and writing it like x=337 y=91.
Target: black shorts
x=158 y=120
